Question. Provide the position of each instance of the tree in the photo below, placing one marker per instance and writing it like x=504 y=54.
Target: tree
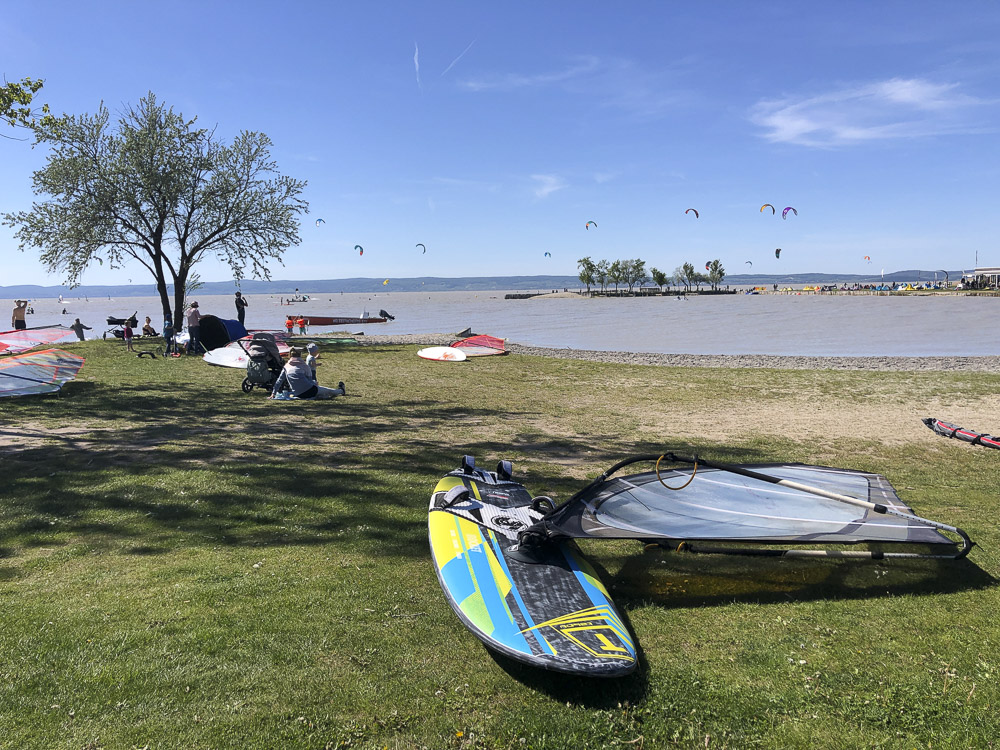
x=601 y=273
x=659 y=277
x=15 y=104
x=716 y=273
x=158 y=191
x=687 y=275
x=634 y=272
x=588 y=271
x=616 y=274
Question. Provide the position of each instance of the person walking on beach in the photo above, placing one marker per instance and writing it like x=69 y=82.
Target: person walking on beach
x=17 y=316
x=241 y=307
x=193 y=317
x=79 y=328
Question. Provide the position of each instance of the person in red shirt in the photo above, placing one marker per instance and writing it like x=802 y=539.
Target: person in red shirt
x=290 y=325
x=301 y=323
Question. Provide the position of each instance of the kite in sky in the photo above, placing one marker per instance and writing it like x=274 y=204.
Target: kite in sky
x=784 y=214
x=421 y=244
x=695 y=212
x=777 y=253
x=767 y=205
x=587 y=226
x=361 y=250
x=548 y=255
x=320 y=221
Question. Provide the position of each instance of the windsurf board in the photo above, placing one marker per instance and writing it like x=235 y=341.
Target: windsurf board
x=442 y=354
x=551 y=612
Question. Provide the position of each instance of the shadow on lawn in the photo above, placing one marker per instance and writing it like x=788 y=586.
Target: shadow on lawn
x=681 y=580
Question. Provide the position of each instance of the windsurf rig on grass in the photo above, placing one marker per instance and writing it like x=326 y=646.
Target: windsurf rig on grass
x=717 y=507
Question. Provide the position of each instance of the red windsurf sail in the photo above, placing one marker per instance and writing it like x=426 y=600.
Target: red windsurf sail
x=37 y=373
x=13 y=342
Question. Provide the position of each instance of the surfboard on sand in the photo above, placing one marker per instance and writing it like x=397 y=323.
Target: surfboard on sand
x=551 y=612
x=442 y=354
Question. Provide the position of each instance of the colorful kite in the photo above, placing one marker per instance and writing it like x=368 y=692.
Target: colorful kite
x=38 y=373
x=767 y=205
x=320 y=221
x=777 y=253
x=361 y=250
x=690 y=210
x=784 y=214
x=587 y=226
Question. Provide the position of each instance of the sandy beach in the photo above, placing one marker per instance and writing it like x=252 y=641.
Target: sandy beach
x=883 y=364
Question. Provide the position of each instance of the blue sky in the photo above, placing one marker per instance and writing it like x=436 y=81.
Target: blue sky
x=492 y=132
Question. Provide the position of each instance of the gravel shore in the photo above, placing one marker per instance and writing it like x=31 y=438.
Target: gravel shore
x=920 y=364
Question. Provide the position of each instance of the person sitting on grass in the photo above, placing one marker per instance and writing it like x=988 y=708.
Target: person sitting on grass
x=147 y=329
x=297 y=378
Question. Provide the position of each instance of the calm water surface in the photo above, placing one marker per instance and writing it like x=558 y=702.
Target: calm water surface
x=728 y=324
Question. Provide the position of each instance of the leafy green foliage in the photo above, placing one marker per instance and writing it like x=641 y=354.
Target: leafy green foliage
x=155 y=189
x=16 y=104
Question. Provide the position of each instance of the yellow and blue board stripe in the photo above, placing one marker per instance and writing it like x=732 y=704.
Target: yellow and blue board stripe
x=478 y=582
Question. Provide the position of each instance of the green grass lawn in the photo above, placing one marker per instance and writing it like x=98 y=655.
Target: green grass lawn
x=183 y=565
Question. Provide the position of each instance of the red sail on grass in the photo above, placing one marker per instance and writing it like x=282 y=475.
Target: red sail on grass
x=37 y=373
x=481 y=346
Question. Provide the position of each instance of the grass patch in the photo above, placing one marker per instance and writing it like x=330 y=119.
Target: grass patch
x=186 y=565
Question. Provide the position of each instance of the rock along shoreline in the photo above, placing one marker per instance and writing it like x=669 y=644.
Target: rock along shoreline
x=768 y=361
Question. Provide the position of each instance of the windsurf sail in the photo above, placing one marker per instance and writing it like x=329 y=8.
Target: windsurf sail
x=481 y=346
x=946 y=429
x=14 y=342
x=759 y=504
x=37 y=373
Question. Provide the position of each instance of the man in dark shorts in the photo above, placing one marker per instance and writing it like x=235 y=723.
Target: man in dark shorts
x=241 y=307
x=17 y=317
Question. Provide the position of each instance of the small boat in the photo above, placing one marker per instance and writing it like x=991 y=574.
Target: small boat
x=324 y=320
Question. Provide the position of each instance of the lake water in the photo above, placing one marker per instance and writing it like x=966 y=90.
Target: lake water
x=806 y=325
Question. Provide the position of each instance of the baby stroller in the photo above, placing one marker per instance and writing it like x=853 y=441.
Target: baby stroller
x=117 y=330
x=264 y=362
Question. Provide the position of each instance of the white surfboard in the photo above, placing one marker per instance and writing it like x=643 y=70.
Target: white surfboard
x=442 y=354
x=225 y=356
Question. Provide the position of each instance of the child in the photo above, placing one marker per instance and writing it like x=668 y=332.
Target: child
x=313 y=351
x=301 y=323
x=290 y=325
x=128 y=337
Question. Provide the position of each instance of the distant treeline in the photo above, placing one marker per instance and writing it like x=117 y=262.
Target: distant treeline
x=460 y=284
x=632 y=274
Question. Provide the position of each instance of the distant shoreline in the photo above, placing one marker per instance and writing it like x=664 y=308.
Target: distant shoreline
x=990 y=364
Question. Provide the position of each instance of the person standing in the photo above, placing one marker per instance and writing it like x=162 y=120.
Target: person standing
x=241 y=307
x=193 y=317
x=79 y=328
x=127 y=335
x=301 y=323
x=168 y=335
x=17 y=316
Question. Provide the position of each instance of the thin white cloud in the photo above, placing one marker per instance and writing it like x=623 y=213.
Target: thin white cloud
x=546 y=184
x=512 y=81
x=416 y=63
x=891 y=109
x=453 y=62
